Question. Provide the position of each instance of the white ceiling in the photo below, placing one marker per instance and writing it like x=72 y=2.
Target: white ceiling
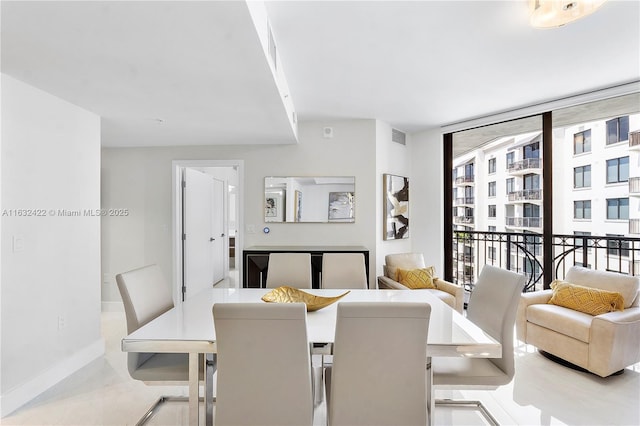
x=199 y=66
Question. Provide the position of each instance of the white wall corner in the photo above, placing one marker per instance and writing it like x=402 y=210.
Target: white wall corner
x=17 y=397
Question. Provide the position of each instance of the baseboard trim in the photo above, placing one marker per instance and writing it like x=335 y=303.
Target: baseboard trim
x=17 y=397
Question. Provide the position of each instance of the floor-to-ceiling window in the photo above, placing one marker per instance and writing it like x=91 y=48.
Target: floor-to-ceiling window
x=549 y=191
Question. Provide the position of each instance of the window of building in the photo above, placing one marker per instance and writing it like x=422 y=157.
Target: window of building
x=617 y=208
x=531 y=181
x=532 y=150
x=618 y=170
x=618 y=130
x=582 y=177
x=492 y=189
x=582 y=209
x=531 y=210
x=492 y=210
x=492 y=165
x=510 y=185
x=468 y=170
x=617 y=247
x=491 y=229
x=511 y=156
x=582 y=142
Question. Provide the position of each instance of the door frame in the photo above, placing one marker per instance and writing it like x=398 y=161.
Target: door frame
x=176 y=206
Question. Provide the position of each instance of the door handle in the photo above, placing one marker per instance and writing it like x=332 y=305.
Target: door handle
x=212 y=239
x=222 y=235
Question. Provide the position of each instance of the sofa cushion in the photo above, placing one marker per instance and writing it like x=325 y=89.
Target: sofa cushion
x=416 y=278
x=589 y=300
x=627 y=285
x=402 y=260
x=563 y=320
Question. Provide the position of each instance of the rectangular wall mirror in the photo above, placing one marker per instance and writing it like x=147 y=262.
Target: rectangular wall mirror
x=315 y=199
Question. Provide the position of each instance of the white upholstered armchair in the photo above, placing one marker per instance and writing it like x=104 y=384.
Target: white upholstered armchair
x=602 y=344
x=450 y=293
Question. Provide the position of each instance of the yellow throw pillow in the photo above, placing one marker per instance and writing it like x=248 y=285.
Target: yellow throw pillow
x=416 y=278
x=589 y=300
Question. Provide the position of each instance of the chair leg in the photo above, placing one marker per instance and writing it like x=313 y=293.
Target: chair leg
x=473 y=404
x=154 y=408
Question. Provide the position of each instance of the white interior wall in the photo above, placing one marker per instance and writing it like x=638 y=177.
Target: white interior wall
x=50 y=312
x=139 y=179
x=427 y=197
x=395 y=159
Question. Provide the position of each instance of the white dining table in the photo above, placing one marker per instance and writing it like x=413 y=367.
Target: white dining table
x=188 y=328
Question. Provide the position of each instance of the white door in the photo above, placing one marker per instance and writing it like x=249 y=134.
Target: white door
x=197 y=228
x=219 y=232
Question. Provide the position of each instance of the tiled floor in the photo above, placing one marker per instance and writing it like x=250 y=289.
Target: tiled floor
x=542 y=393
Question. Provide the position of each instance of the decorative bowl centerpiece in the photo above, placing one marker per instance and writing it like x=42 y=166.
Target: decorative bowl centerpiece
x=286 y=294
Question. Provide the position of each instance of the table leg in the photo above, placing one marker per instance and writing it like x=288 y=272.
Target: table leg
x=430 y=398
x=210 y=368
x=194 y=389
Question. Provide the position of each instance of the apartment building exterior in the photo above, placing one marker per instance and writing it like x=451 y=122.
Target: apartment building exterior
x=498 y=200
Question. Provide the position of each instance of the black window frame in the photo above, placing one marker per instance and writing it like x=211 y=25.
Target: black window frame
x=491 y=166
x=617 y=130
x=581 y=205
x=617 y=206
x=582 y=170
x=618 y=166
x=491 y=190
x=584 y=143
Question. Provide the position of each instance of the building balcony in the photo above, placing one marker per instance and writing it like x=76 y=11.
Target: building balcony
x=634 y=140
x=527 y=195
x=527 y=165
x=634 y=226
x=464 y=180
x=524 y=222
x=466 y=220
x=464 y=201
x=634 y=186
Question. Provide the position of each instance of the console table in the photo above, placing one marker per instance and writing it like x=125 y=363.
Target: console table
x=256 y=261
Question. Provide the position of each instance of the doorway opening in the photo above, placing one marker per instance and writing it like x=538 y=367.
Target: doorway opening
x=207 y=217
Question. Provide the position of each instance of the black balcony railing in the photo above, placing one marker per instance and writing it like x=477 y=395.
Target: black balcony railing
x=523 y=253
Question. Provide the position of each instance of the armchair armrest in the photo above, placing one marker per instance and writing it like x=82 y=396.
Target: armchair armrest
x=454 y=289
x=614 y=341
x=386 y=283
x=527 y=299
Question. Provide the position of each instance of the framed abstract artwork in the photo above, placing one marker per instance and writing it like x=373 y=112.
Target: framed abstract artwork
x=396 y=207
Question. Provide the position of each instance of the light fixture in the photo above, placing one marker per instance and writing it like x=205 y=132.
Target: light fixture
x=555 y=13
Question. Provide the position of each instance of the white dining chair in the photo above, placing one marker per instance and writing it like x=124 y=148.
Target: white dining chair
x=264 y=364
x=344 y=270
x=146 y=296
x=492 y=307
x=379 y=374
x=289 y=269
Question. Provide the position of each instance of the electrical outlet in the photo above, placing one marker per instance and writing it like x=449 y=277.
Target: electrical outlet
x=105 y=278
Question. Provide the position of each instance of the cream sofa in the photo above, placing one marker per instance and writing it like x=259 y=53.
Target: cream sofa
x=602 y=344
x=450 y=293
